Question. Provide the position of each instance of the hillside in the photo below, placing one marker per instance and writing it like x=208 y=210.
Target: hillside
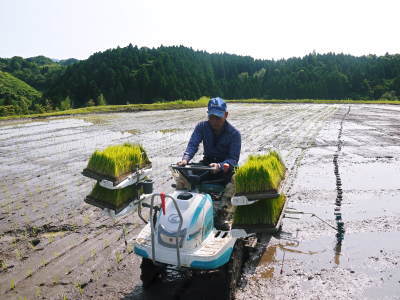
x=40 y=72
x=142 y=75
x=16 y=95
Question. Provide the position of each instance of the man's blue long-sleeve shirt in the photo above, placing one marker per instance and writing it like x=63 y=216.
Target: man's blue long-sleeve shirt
x=224 y=148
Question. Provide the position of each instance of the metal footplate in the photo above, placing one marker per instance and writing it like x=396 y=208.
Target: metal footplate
x=129 y=180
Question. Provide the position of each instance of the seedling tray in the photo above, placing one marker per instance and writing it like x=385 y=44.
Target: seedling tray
x=103 y=204
x=263 y=228
x=260 y=195
x=115 y=180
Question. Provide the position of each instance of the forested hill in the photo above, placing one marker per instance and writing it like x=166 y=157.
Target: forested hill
x=143 y=75
x=16 y=96
x=38 y=71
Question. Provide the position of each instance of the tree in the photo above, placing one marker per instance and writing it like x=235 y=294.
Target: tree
x=66 y=103
x=390 y=95
x=101 y=100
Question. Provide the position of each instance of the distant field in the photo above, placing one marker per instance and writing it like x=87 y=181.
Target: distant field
x=182 y=104
x=178 y=104
x=54 y=245
x=317 y=101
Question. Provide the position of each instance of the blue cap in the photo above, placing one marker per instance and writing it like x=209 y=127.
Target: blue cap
x=216 y=107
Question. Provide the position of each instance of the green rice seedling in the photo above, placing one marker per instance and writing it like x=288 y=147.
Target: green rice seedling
x=18 y=254
x=93 y=253
x=86 y=220
x=118 y=257
x=12 y=284
x=118 y=160
x=169 y=130
x=43 y=263
x=133 y=131
x=116 y=198
x=51 y=238
x=260 y=173
x=263 y=212
x=38 y=292
x=3 y=265
x=79 y=288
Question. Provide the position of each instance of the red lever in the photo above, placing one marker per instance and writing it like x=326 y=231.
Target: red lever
x=162 y=195
x=226 y=167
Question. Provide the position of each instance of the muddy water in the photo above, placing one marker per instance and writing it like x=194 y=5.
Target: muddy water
x=80 y=253
x=307 y=260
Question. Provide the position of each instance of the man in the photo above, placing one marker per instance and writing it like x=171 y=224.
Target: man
x=221 y=141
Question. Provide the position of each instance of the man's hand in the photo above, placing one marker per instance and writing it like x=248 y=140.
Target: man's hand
x=182 y=163
x=215 y=167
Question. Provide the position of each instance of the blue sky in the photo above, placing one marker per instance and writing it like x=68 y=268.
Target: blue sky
x=260 y=28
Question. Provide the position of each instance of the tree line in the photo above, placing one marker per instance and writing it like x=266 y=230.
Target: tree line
x=143 y=75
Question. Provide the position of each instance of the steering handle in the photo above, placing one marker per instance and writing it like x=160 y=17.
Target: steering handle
x=192 y=168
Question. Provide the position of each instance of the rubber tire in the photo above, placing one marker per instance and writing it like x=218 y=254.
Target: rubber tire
x=149 y=272
x=233 y=270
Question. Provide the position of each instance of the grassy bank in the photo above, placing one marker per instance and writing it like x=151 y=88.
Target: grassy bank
x=182 y=104
x=178 y=104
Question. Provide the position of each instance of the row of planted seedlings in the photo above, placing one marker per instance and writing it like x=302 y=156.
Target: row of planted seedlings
x=115 y=164
x=260 y=175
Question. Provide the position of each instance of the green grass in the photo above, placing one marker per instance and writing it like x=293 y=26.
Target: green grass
x=178 y=104
x=260 y=173
x=118 y=160
x=11 y=86
x=116 y=198
x=16 y=96
x=182 y=104
x=315 y=101
x=265 y=212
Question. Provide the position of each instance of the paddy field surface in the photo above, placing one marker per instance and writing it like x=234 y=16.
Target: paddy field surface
x=343 y=164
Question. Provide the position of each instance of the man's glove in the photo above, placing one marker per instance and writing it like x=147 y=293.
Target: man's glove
x=215 y=168
x=182 y=163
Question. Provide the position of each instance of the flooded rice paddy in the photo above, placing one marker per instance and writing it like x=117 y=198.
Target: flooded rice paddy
x=340 y=236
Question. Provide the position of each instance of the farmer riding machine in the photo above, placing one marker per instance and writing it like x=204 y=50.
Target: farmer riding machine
x=180 y=234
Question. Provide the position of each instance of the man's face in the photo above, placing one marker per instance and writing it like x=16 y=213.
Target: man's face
x=216 y=122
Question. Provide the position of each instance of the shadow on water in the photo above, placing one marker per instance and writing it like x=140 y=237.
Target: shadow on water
x=256 y=256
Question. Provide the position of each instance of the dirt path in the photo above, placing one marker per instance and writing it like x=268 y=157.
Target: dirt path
x=54 y=245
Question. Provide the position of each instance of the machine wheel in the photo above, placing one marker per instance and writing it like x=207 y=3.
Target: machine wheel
x=233 y=270
x=150 y=272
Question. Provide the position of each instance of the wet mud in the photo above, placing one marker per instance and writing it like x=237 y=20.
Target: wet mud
x=339 y=237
